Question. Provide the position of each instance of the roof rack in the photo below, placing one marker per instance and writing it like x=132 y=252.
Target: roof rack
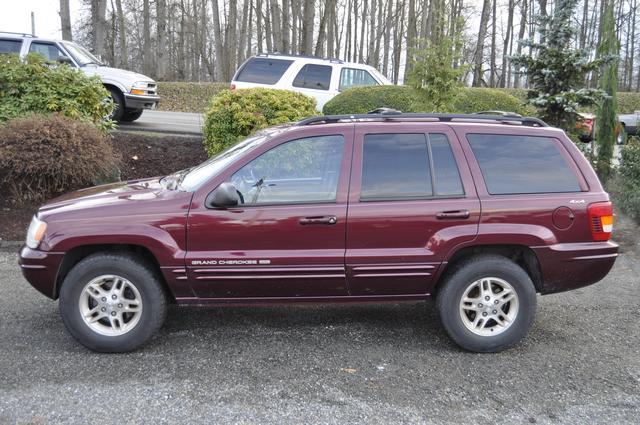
x=24 y=34
x=267 y=54
x=388 y=114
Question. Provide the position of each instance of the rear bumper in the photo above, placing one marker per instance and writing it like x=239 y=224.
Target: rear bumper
x=40 y=268
x=574 y=265
x=140 y=102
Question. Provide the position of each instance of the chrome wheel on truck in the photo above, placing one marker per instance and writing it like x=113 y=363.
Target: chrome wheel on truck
x=489 y=306
x=110 y=305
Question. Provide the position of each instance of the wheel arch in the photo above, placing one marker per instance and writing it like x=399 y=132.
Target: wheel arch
x=521 y=255
x=78 y=253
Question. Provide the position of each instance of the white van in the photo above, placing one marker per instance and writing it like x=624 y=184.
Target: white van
x=321 y=79
x=131 y=92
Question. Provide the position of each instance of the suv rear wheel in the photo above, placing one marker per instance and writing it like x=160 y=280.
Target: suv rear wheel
x=488 y=304
x=112 y=302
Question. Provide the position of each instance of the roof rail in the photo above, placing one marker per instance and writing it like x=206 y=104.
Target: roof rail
x=24 y=34
x=387 y=114
x=267 y=54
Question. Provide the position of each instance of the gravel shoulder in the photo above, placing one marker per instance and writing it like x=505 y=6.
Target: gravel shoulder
x=329 y=364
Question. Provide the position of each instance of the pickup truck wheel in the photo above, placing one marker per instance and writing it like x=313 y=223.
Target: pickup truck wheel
x=488 y=304
x=130 y=116
x=112 y=302
x=118 y=104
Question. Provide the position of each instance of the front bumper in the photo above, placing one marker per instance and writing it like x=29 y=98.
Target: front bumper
x=574 y=265
x=40 y=268
x=134 y=101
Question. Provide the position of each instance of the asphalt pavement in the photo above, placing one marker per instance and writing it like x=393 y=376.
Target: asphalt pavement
x=166 y=122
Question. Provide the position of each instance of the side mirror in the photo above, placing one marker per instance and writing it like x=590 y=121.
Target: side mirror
x=224 y=196
x=65 y=59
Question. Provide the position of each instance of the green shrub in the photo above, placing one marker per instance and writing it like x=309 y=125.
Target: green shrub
x=626 y=187
x=235 y=114
x=187 y=97
x=360 y=100
x=44 y=155
x=474 y=99
x=35 y=86
x=628 y=102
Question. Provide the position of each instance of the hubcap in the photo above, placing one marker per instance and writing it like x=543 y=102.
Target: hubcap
x=110 y=305
x=489 y=306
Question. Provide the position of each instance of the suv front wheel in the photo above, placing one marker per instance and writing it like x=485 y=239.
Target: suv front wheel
x=112 y=302
x=488 y=304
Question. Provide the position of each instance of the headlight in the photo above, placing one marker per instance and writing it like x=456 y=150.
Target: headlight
x=139 y=87
x=35 y=232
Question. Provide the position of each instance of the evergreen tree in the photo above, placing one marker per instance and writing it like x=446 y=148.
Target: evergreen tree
x=606 y=117
x=556 y=70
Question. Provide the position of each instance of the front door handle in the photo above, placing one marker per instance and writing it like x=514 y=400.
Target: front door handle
x=328 y=220
x=452 y=215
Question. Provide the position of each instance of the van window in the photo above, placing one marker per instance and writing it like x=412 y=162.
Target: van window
x=300 y=171
x=351 y=77
x=317 y=77
x=10 y=46
x=522 y=164
x=263 y=70
x=395 y=166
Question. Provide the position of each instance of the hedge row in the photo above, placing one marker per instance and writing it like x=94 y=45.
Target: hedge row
x=628 y=102
x=188 y=97
x=361 y=100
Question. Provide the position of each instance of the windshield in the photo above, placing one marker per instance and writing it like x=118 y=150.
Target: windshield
x=81 y=55
x=203 y=172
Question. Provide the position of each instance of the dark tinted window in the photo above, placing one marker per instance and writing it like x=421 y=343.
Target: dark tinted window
x=316 y=77
x=522 y=164
x=395 y=166
x=263 y=70
x=10 y=46
x=445 y=169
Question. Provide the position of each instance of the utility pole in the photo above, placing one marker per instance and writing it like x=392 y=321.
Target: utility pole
x=33 y=24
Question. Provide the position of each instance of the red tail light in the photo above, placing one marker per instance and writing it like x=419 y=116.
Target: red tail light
x=232 y=87
x=601 y=219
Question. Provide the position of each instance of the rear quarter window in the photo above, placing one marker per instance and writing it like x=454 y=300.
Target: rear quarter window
x=522 y=164
x=263 y=70
x=10 y=46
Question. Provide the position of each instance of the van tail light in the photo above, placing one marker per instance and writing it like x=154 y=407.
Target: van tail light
x=601 y=219
x=232 y=87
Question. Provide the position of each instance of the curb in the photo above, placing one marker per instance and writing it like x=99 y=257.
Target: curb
x=10 y=246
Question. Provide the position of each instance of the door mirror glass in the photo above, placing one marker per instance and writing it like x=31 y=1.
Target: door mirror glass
x=224 y=196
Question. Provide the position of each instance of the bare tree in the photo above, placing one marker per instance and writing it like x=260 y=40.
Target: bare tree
x=65 y=20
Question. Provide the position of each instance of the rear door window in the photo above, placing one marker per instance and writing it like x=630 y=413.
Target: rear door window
x=10 y=45
x=351 y=77
x=522 y=164
x=445 y=169
x=263 y=70
x=317 y=77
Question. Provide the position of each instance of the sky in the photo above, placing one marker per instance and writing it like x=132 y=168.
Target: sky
x=15 y=16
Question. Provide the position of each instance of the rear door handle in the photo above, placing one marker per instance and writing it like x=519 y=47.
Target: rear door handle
x=328 y=220
x=451 y=215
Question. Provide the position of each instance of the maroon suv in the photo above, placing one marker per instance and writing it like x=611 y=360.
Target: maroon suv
x=481 y=212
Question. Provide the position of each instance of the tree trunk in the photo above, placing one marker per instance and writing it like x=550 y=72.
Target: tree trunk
x=124 y=55
x=411 y=38
x=478 y=59
x=306 y=45
x=494 y=30
x=387 y=38
x=286 y=26
x=231 y=37
x=65 y=20
x=524 y=7
x=146 y=38
x=219 y=49
x=161 y=10
x=98 y=23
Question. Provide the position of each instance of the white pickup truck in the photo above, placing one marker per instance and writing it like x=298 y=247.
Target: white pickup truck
x=131 y=92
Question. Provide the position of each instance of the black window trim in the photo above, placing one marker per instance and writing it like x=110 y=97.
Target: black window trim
x=580 y=179
x=434 y=195
x=281 y=204
x=245 y=63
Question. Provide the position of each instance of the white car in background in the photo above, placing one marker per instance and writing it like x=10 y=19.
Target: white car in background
x=131 y=92
x=322 y=79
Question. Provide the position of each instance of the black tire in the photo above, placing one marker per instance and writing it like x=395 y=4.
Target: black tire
x=130 y=116
x=454 y=286
x=152 y=294
x=118 y=103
